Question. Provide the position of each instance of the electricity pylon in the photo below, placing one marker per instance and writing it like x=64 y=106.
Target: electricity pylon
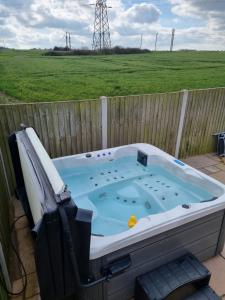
x=101 y=35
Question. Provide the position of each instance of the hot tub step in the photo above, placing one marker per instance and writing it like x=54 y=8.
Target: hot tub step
x=176 y=280
x=205 y=293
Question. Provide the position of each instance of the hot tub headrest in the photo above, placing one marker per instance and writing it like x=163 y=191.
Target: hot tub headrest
x=53 y=175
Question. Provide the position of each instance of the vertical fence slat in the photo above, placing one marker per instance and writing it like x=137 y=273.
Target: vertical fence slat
x=129 y=103
x=93 y=124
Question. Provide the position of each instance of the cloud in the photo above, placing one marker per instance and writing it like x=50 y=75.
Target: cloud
x=136 y=20
x=142 y=13
x=15 y=4
x=42 y=19
x=49 y=21
x=7 y=33
x=210 y=11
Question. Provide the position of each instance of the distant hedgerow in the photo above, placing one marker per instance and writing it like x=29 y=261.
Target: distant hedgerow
x=62 y=51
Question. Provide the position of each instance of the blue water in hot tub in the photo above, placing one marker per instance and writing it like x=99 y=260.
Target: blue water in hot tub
x=117 y=189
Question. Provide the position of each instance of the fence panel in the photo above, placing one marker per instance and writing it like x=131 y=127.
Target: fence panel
x=64 y=128
x=152 y=119
x=205 y=116
x=4 y=220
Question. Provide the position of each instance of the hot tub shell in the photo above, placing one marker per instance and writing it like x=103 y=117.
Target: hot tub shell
x=155 y=240
x=203 y=237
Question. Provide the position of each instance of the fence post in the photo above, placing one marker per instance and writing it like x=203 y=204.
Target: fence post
x=104 y=105
x=181 y=122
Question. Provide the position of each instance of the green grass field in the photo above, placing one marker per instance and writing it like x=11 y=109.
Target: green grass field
x=29 y=76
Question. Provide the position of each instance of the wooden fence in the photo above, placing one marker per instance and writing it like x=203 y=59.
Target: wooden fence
x=4 y=219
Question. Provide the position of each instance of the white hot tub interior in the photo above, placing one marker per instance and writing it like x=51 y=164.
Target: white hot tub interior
x=115 y=186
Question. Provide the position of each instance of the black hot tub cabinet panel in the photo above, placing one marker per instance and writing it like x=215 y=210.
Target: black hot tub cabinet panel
x=204 y=238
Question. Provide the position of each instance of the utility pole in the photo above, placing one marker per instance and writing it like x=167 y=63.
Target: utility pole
x=66 y=40
x=69 y=41
x=172 y=40
x=156 y=40
x=101 y=35
x=141 y=41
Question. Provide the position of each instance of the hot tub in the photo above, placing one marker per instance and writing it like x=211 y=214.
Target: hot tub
x=175 y=209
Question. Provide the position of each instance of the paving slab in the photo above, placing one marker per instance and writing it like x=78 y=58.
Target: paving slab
x=24 y=238
x=26 y=249
x=216 y=266
x=18 y=209
x=28 y=260
x=32 y=289
x=14 y=268
x=219 y=176
x=21 y=223
x=212 y=169
x=200 y=161
x=215 y=157
x=37 y=297
x=205 y=171
x=221 y=166
x=17 y=287
x=32 y=286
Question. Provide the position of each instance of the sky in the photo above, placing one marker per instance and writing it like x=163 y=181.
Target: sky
x=199 y=24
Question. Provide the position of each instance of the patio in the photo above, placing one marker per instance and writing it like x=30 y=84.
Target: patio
x=210 y=164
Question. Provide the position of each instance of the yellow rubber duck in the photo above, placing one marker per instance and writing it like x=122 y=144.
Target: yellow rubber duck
x=132 y=221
